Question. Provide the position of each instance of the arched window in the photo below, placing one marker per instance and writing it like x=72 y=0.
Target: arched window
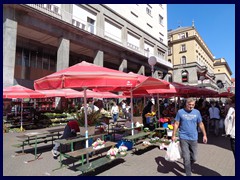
x=169 y=60
x=183 y=60
x=220 y=84
x=185 y=76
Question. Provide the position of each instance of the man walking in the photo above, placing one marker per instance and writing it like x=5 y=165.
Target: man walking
x=214 y=115
x=187 y=120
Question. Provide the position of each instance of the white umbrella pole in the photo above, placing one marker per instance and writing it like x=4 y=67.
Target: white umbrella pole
x=85 y=114
x=131 y=104
x=158 y=106
x=21 y=127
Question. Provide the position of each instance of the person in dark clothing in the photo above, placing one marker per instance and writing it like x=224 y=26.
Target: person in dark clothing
x=70 y=130
x=147 y=109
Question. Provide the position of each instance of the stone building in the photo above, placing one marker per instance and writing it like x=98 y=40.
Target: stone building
x=193 y=62
x=39 y=39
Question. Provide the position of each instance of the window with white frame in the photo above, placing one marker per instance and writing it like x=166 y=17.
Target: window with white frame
x=160 y=19
x=183 y=60
x=148 y=49
x=133 y=41
x=181 y=36
x=112 y=31
x=148 y=11
x=160 y=54
x=183 y=48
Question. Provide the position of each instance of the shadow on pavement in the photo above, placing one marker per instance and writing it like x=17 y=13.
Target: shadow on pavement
x=142 y=151
x=220 y=141
x=99 y=169
x=203 y=171
x=165 y=167
x=40 y=149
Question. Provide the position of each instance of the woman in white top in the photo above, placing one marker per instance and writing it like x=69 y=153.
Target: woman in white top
x=115 y=112
x=230 y=124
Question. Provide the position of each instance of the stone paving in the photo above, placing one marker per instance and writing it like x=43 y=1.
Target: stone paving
x=214 y=159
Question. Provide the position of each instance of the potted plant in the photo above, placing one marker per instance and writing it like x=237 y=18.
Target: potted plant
x=92 y=120
x=137 y=112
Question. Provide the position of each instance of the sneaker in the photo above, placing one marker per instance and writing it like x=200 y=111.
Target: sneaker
x=54 y=153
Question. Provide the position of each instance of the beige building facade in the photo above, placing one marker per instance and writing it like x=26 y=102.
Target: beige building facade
x=193 y=62
x=223 y=74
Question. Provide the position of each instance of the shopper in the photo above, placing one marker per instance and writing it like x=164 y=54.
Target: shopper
x=147 y=109
x=115 y=112
x=230 y=124
x=187 y=120
x=70 y=130
x=214 y=115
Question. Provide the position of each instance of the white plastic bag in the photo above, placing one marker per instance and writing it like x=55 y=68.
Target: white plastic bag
x=173 y=152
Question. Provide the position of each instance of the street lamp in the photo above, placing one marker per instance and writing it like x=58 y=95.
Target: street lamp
x=152 y=61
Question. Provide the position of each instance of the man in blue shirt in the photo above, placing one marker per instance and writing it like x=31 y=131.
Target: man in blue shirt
x=187 y=120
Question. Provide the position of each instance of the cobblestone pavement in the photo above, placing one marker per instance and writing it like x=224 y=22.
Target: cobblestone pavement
x=214 y=159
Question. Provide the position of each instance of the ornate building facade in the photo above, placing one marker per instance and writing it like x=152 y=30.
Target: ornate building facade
x=193 y=62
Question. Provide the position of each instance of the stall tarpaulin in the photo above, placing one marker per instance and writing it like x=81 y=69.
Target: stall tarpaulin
x=20 y=92
x=85 y=76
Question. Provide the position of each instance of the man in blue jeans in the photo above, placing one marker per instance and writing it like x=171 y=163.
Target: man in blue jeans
x=187 y=120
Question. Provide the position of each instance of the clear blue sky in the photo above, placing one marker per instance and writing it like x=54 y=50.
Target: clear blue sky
x=214 y=22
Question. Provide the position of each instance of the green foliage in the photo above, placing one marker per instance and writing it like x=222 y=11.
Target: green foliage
x=92 y=117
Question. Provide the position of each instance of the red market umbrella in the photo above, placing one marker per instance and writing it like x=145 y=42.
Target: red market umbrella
x=145 y=84
x=20 y=92
x=60 y=92
x=225 y=94
x=86 y=75
x=172 y=90
x=92 y=94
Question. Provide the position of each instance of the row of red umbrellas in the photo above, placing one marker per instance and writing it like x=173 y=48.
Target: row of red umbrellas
x=20 y=92
x=89 y=76
x=84 y=76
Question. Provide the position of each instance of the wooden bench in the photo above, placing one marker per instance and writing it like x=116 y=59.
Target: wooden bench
x=81 y=152
x=142 y=135
x=95 y=164
x=140 y=146
x=32 y=140
x=71 y=141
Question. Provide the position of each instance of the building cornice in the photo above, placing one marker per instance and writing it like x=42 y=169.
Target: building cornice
x=223 y=64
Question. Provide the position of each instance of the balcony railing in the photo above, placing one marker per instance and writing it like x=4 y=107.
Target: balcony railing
x=65 y=16
x=50 y=9
x=132 y=46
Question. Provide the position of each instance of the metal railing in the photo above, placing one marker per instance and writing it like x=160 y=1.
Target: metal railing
x=59 y=13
